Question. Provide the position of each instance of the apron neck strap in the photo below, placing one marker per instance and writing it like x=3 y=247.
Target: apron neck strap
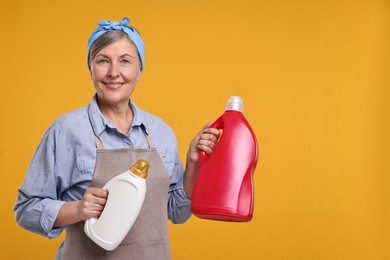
x=99 y=143
x=150 y=143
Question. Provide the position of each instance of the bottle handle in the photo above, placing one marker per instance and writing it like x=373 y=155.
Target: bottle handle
x=218 y=124
x=91 y=221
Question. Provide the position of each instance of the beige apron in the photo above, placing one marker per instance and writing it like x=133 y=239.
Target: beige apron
x=148 y=238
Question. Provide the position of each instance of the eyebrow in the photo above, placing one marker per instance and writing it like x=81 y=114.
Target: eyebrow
x=123 y=55
x=126 y=55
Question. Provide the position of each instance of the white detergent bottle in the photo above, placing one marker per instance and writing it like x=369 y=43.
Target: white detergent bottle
x=126 y=193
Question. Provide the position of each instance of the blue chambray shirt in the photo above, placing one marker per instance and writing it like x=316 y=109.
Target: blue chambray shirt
x=63 y=164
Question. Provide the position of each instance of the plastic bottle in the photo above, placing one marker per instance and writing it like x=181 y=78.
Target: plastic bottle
x=126 y=193
x=224 y=188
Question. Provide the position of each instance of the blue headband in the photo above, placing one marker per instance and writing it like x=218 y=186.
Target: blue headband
x=105 y=26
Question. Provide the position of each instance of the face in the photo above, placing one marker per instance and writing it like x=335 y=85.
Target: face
x=115 y=71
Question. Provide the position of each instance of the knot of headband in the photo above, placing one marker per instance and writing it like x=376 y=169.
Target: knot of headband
x=105 y=26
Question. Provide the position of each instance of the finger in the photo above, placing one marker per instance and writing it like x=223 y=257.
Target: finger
x=89 y=210
x=90 y=198
x=97 y=208
x=98 y=192
x=205 y=148
x=209 y=137
x=99 y=202
x=208 y=143
x=91 y=213
x=93 y=203
x=212 y=131
x=94 y=207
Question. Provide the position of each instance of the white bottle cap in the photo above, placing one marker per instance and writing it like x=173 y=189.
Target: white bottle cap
x=235 y=103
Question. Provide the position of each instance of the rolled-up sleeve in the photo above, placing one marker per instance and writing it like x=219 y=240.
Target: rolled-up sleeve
x=37 y=203
x=178 y=202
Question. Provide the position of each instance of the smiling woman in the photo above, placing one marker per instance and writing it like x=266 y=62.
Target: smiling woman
x=85 y=148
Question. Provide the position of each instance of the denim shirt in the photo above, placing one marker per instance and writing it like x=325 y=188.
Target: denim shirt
x=63 y=164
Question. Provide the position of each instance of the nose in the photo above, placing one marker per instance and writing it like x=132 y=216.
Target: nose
x=113 y=71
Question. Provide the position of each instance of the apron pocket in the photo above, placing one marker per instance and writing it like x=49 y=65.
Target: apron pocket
x=156 y=250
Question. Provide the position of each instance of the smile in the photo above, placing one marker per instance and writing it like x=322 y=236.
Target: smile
x=113 y=85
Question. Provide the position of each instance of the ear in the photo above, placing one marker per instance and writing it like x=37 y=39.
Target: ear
x=90 y=69
x=139 y=74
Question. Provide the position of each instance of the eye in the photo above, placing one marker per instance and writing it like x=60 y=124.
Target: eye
x=125 y=61
x=101 y=61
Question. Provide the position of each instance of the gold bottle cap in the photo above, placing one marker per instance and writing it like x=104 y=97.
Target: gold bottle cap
x=140 y=168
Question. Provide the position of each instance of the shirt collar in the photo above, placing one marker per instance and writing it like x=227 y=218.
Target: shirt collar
x=139 y=117
x=100 y=123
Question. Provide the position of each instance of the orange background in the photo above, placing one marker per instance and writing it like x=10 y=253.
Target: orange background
x=314 y=77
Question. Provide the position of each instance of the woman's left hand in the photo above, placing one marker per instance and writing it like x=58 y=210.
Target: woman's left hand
x=206 y=140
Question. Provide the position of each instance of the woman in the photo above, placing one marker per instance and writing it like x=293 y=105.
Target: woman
x=86 y=147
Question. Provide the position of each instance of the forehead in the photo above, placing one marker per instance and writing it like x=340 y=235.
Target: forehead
x=120 y=46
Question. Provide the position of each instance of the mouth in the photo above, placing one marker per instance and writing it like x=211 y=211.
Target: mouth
x=113 y=85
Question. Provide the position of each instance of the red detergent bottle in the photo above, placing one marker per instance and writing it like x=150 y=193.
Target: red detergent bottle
x=224 y=189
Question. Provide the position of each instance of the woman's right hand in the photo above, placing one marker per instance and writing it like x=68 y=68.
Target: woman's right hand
x=92 y=204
